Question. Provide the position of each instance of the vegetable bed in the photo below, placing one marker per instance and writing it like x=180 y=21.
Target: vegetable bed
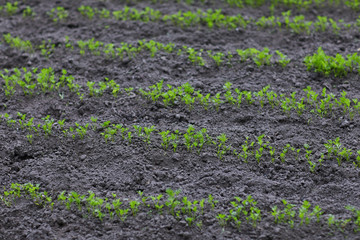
x=175 y=119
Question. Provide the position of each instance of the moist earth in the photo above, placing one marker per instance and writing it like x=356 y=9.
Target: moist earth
x=91 y=164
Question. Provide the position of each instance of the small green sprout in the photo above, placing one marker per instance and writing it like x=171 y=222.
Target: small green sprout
x=129 y=137
x=174 y=140
x=189 y=220
x=217 y=101
x=165 y=139
x=283 y=60
x=286 y=215
x=148 y=131
x=58 y=14
x=304 y=213
x=143 y=198
x=10 y=8
x=47 y=48
x=317 y=213
x=81 y=130
x=28 y=12
x=356 y=216
x=156 y=202
x=30 y=138
x=134 y=207
x=217 y=57
x=16 y=42
x=284 y=152
x=172 y=201
x=48 y=125
x=222 y=148
x=129 y=90
x=212 y=202
x=222 y=218
x=94 y=122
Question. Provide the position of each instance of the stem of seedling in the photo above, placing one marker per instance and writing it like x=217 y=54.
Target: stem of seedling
x=29 y=138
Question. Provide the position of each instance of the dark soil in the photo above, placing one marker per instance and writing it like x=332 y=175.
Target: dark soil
x=59 y=164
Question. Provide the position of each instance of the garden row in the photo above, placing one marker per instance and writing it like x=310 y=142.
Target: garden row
x=127 y=50
x=213 y=18
x=190 y=140
x=210 y=18
x=338 y=66
x=11 y=8
x=241 y=212
x=321 y=104
x=300 y=4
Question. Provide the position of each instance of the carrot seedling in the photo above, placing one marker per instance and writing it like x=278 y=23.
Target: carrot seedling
x=58 y=14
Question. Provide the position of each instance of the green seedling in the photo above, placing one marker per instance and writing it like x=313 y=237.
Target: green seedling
x=239 y=96
x=114 y=87
x=134 y=207
x=172 y=201
x=245 y=149
x=138 y=130
x=217 y=57
x=81 y=130
x=244 y=209
x=221 y=147
x=198 y=140
x=340 y=224
x=334 y=148
x=357 y=163
x=16 y=42
x=46 y=80
x=326 y=65
x=58 y=14
x=10 y=8
x=317 y=213
x=121 y=213
x=283 y=60
x=28 y=12
x=68 y=43
x=86 y=11
x=129 y=137
x=48 y=125
x=148 y=131
x=212 y=202
x=156 y=201
x=21 y=120
x=104 y=124
x=165 y=139
x=29 y=191
x=30 y=138
x=222 y=218
x=129 y=90
x=123 y=132
x=188 y=137
x=356 y=217
x=217 y=101
x=174 y=140
x=284 y=152
x=143 y=199
x=272 y=152
x=307 y=156
x=228 y=93
x=189 y=101
x=304 y=213
x=286 y=215
x=47 y=48
x=94 y=122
